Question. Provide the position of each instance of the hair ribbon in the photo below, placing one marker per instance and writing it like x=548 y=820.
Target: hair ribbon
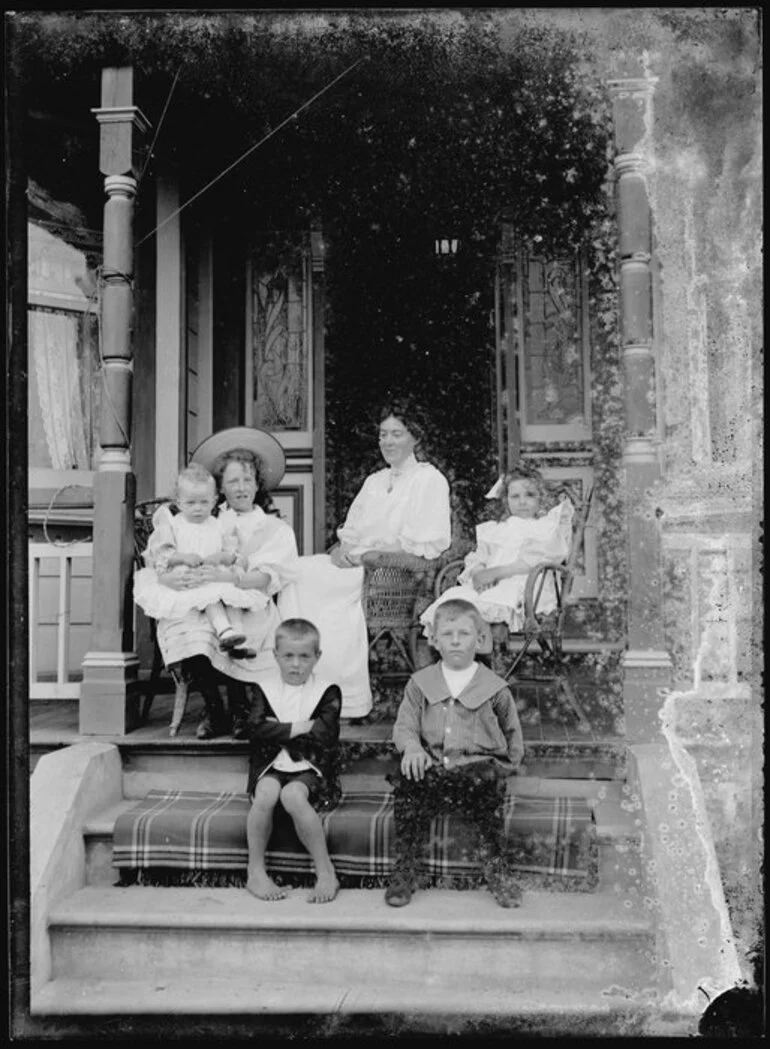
x=497 y=488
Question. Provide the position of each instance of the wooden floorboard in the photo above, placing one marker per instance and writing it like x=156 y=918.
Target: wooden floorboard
x=55 y=722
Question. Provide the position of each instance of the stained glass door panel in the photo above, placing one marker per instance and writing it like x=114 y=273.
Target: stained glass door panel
x=554 y=356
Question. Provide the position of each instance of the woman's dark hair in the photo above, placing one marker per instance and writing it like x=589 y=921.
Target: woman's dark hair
x=247 y=458
x=413 y=419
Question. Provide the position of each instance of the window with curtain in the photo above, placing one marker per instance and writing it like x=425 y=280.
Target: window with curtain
x=64 y=374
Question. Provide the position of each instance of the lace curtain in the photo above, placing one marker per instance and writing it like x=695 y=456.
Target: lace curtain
x=57 y=359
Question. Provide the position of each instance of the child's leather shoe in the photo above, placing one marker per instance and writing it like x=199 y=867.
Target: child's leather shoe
x=242 y=653
x=210 y=727
x=398 y=893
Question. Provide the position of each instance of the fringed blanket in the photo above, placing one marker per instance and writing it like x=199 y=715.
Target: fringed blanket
x=552 y=837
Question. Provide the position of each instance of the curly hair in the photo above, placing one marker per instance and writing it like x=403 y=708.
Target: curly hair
x=252 y=462
x=413 y=418
x=520 y=472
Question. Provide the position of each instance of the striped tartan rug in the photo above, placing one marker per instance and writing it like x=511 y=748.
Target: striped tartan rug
x=551 y=837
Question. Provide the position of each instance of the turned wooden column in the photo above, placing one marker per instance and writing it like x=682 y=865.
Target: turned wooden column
x=647 y=666
x=318 y=364
x=109 y=699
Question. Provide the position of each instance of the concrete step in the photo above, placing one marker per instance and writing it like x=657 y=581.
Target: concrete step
x=215 y=765
x=442 y=940
x=401 y=1007
x=618 y=830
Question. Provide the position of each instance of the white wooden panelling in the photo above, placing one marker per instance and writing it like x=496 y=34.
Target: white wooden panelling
x=64 y=556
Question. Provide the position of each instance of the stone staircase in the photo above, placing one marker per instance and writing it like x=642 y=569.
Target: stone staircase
x=562 y=959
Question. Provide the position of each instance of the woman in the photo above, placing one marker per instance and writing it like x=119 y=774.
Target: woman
x=401 y=509
x=246 y=463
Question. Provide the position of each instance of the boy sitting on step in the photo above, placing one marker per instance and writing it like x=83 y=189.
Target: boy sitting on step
x=294 y=727
x=459 y=735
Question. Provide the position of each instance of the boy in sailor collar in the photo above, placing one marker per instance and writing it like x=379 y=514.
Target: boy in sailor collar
x=459 y=737
x=294 y=727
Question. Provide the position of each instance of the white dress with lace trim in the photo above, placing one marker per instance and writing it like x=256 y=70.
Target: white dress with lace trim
x=498 y=543
x=172 y=533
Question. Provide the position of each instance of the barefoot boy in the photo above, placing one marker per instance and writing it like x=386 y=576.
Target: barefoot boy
x=294 y=728
x=459 y=735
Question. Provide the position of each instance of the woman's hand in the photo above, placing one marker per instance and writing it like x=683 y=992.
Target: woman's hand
x=213 y=574
x=341 y=557
x=180 y=577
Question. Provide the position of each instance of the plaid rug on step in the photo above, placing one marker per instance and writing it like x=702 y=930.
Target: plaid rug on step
x=179 y=830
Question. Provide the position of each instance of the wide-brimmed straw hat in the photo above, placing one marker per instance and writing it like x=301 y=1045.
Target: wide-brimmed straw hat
x=262 y=444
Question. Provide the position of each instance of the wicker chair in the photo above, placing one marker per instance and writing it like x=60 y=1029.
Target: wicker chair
x=143 y=514
x=547 y=629
x=395 y=586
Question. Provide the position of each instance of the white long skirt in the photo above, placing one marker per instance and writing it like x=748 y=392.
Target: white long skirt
x=194 y=636
x=330 y=597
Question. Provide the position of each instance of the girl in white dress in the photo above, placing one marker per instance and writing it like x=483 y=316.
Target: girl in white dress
x=193 y=537
x=495 y=573
x=403 y=508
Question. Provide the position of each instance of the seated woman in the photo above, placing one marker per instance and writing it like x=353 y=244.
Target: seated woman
x=402 y=509
x=246 y=463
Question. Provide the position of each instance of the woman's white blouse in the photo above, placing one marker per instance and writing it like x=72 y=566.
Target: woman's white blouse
x=266 y=542
x=406 y=509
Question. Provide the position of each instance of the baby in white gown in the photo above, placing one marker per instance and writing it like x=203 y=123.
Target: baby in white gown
x=193 y=537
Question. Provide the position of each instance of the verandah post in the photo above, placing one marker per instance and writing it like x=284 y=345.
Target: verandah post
x=646 y=664
x=109 y=699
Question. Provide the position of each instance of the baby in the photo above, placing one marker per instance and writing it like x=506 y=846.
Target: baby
x=294 y=727
x=195 y=538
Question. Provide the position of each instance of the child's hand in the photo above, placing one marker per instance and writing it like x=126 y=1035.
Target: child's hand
x=191 y=560
x=207 y=573
x=415 y=764
x=300 y=728
x=218 y=559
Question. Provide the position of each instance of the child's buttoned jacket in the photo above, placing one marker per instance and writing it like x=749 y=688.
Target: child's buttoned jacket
x=481 y=723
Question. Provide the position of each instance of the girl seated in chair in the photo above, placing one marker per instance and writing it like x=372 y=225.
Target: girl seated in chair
x=495 y=574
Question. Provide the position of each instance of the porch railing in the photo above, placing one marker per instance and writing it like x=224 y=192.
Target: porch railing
x=59 y=617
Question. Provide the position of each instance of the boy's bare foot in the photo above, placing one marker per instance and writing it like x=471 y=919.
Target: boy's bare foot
x=326 y=888
x=264 y=888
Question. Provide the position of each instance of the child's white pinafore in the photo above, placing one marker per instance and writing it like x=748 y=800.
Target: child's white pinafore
x=172 y=533
x=530 y=540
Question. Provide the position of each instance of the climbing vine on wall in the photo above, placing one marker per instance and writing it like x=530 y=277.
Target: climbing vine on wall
x=441 y=129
